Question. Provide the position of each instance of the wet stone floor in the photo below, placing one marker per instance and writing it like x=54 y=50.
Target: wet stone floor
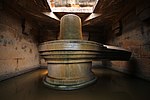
x=111 y=85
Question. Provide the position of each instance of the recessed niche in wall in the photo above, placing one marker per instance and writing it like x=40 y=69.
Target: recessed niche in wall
x=26 y=28
x=117 y=29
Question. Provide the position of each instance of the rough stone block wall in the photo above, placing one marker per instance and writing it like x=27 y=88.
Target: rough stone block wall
x=18 y=51
x=135 y=37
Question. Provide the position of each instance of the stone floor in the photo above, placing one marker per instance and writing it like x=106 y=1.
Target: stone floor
x=110 y=85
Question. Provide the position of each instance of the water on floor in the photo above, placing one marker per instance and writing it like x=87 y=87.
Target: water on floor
x=110 y=85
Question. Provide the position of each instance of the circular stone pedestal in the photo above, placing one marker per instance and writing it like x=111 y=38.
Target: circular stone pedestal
x=69 y=76
x=69 y=63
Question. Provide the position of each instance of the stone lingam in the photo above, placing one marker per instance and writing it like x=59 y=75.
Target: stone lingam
x=70 y=58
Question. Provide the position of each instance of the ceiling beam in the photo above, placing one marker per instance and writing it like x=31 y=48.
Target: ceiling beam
x=51 y=15
x=92 y=16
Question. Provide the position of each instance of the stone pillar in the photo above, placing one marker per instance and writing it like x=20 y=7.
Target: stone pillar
x=70 y=27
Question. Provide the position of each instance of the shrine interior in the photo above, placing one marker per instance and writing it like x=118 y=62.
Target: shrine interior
x=25 y=25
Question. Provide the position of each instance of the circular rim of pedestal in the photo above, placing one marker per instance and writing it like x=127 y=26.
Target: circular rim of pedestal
x=70 y=45
x=68 y=87
x=71 y=41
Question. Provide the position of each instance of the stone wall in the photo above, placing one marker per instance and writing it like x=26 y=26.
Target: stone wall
x=134 y=35
x=18 y=48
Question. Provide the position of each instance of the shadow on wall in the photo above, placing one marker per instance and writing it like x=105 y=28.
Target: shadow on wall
x=107 y=63
x=130 y=67
x=133 y=66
